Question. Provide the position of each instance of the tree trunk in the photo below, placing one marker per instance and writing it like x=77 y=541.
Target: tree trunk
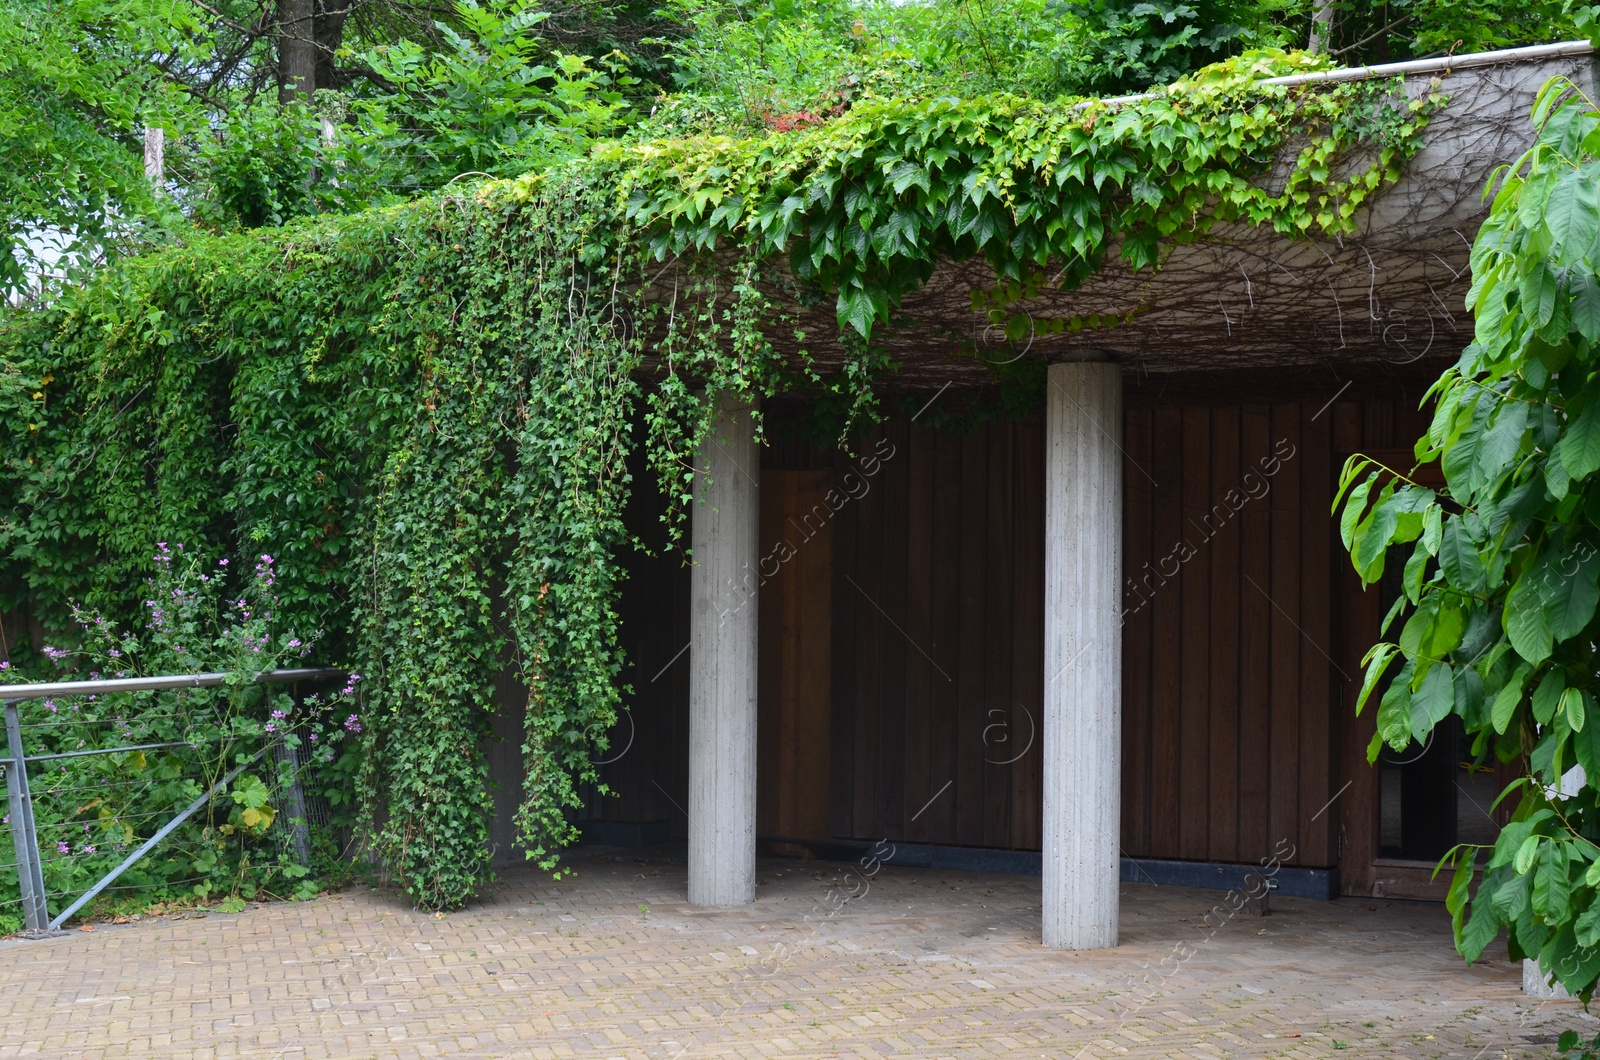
x=1321 y=26
x=330 y=18
x=297 y=49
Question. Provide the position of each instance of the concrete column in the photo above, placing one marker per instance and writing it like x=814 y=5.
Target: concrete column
x=1083 y=655
x=722 y=661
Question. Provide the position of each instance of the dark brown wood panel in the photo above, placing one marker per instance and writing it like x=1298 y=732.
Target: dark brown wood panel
x=1164 y=569
x=1136 y=633
x=1220 y=528
x=1319 y=673
x=941 y=625
x=1255 y=624
x=1287 y=636
x=1194 y=695
x=796 y=653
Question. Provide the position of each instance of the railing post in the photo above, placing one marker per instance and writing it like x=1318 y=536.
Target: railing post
x=25 y=840
x=294 y=801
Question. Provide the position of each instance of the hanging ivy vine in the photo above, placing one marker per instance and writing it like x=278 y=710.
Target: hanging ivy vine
x=424 y=412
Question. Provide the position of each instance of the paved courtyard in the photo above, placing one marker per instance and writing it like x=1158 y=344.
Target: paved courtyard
x=615 y=963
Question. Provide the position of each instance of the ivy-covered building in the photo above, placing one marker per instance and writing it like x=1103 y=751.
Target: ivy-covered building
x=1069 y=596
x=1114 y=636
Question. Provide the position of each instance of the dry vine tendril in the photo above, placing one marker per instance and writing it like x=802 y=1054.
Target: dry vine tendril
x=424 y=412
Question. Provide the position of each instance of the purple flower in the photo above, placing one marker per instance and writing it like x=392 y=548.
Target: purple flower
x=51 y=704
x=222 y=562
x=313 y=740
x=63 y=847
x=271 y=727
x=279 y=714
x=292 y=644
x=88 y=848
x=353 y=723
x=4 y=664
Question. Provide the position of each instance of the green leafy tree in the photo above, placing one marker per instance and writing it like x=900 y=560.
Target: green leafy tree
x=1502 y=566
x=79 y=82
x=497 y=98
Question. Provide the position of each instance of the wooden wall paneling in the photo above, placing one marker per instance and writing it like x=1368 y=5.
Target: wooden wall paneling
x=1255 y=656
x=847 y=622
x=1410 y=424
x=999 y=704
x=919 y=454
x=793 y=745
x=945 y=701
x=1194 y=774
x=1377 y=429
x=1347 y=427
x=946 y=594
x=1221 y=526
x=1167 y=633
x=1136 y=640
x=871 y=631
x=1025 y=771
x=973 y=643
x=891 y=486
x=813 y=580
x=1318 y=672
x=1287 y=640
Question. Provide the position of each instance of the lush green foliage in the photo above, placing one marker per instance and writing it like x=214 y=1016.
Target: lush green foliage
x=90 y=811
x=423 y=412
x=76 y=88
x=411 y=96
x=1502 y=572
x=1404 y=29
x=802 y=61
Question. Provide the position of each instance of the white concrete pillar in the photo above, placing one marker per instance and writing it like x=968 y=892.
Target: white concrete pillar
x=722 y=661
x=1083 y=655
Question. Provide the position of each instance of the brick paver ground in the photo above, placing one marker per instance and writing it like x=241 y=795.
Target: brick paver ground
x=615 y=963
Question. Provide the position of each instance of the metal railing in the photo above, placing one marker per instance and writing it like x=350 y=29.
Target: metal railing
x=24 y=834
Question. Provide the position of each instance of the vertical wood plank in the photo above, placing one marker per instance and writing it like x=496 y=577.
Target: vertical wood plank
x=1166 y=691
x=1137 y=657
x=891 y=488
x=944 y=749
x=1027 y=673
x=1318 y=737
x=872 y=631
x=1194 y=775
x=1287 y=640
x=1221 y=526
x=846 y=622
x=999 y=704
x=1255 y=627
x=1377 y=430
x=918 y=456
x=973 y=644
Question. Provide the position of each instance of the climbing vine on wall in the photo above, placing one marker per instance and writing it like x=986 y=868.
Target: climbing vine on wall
x=424 y=412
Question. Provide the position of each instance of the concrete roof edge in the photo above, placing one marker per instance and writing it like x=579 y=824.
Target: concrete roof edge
x=1445 y=65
